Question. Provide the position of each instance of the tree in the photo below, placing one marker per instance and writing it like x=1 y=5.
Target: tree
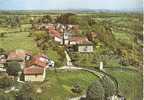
x=2 y=35
x=2 y=51
x=27 y=92
x=46 y=19
x=65 y=18
x=76 y=88
x=74 y=20
x=5 y=82
x=95 y=91
x=13 y=68
x=4 y=96
x=108 y=86
x=14 y=21
x=91 y=21
x=40 y=35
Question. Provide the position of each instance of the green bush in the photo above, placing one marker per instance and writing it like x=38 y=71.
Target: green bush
x=108 y=86
x=95 y=91
x=13 y=68
x=5 y=82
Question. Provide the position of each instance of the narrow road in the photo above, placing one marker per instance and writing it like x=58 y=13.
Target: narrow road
x=70 y=66
x=69 y=63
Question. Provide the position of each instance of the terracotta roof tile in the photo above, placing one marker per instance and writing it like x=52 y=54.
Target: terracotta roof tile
x=17 y=54
x=54 y=33
x=33 y=70
x=39 y=60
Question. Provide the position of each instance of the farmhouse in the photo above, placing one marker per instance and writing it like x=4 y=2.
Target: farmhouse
x=55 y=35
x=42 y=61
x=80 y=44
x=19 y=55
x=66 y=36
x=60 y=27
x=37 y=67
x=34 y=73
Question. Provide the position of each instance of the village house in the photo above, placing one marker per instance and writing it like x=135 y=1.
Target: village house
x=35 y=70
x=42 y=61
x=34 y=73
x=19 y=55
x=66 y=37
x=60 y=27
x=80 y=44
x=56 y=36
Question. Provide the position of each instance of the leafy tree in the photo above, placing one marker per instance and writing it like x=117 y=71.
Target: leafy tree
x=5 y=82
x=65 y=18
x=77 y=88
x=2 y=35
x=74 y=20
x=38 y=35
x=2 y=51
x=4 y=96
x=13 y=68
x=27 y=92
x=91 y=21
x=46 y=19
x=95 y=91
x=14 y=21
x=108 y=86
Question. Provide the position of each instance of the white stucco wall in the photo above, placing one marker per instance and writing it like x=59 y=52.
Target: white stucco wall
x=84 y=48
x=72 y=43
x=58 y=39
x=66 y=42
x=38 y=78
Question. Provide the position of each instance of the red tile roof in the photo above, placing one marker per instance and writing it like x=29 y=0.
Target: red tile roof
x=54 y=33
x=51 y=28
x=33 y=70
x=17 y=54
x=80 y=40
x=40 y=61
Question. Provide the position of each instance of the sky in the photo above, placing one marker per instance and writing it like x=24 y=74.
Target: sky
x=70 y=4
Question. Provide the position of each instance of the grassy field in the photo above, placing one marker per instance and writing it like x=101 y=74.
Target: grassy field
x=130 y=83
x=19 y=40
x=58 y=85
x=6 y=29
